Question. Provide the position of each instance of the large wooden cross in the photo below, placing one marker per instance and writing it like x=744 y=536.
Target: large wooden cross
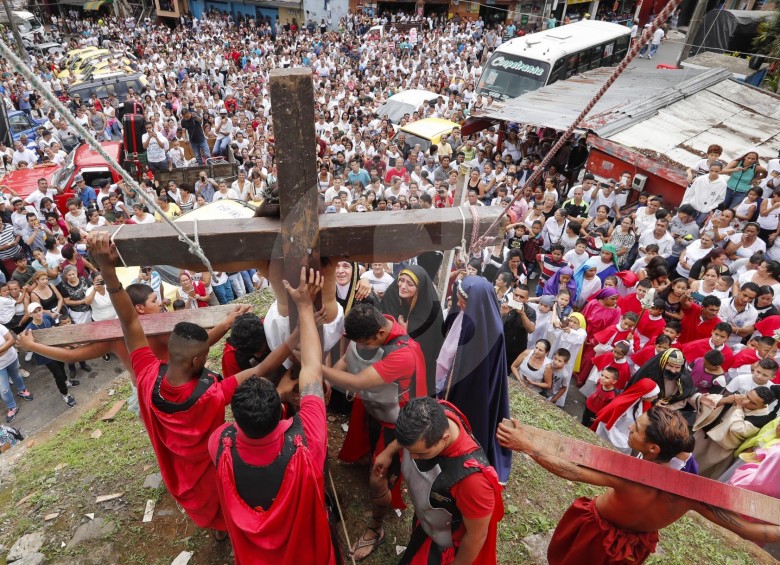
x=301 y=235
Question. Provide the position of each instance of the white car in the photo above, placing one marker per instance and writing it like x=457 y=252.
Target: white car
x=406 y=102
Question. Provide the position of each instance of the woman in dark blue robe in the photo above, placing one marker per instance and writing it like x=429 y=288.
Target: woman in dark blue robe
x=471 y=369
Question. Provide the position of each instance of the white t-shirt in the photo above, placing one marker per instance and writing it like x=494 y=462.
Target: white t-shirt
x=378 y=284
x=221 y=196
x=102 y=309
x=10 y=354
x=742 y=384
x=35 y=199
x=742 y=251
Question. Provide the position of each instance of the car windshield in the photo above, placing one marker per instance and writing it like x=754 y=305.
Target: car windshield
x=509 y=76
x=413 y=140
x=62 y=176
x=395 y=110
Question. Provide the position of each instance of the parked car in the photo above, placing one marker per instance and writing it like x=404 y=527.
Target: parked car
x=20 y=123
x=427 y=132
x=406 y=102
x=103 y=86
x=25 y=181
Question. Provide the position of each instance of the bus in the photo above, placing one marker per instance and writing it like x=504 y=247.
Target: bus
x=528 y=63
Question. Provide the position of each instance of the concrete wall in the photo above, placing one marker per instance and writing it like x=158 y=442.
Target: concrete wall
x=316 y=10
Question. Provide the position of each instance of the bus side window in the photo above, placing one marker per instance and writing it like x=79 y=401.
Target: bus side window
x=595 y=58
x=557 y=72
x=571 y=64
x=584 y=60
x=609 y=49
x=621 y=48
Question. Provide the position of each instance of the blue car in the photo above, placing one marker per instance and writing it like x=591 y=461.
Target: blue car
x=20 y=123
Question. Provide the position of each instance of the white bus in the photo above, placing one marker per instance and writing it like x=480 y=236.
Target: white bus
x=528 y=63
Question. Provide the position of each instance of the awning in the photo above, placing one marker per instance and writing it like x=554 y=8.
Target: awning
x=474 y=124
x=96 y=4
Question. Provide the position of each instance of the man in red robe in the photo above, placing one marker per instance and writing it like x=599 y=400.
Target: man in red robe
x=260 y=452
x=694 y=350
x=387 y=368
x=699 y=321
x=621 y=526
x=456 y=495
x=181 y=402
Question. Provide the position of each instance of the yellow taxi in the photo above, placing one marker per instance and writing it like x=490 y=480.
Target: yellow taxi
x=427 y=132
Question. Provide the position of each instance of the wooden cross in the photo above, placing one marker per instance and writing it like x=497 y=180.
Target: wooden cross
x=300 y=236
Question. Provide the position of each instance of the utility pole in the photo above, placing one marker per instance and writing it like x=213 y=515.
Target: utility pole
x=693 y=29
x=17 y=36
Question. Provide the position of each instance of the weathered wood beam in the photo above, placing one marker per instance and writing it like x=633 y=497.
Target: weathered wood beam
x=153 y=324
x=686 y=485
x=238 y=244
x=292 y=100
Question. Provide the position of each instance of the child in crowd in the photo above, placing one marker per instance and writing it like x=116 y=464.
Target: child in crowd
x=42 y=320
x=544 y=317
x=603 y=394
x=604 y=341
x=639 y=265
x=631 y=301
x=571 y=336
x=706 y=370
x=662 y=343
x=549 y=264
x=617 y=359
x=763 y=347
x=560 y=378
x=652 y=324
x=531 y=246
x=179 y=305
x=578 y=255
x=762 y=373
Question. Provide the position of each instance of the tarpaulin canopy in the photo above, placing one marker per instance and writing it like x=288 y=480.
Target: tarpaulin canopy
x=728 y=30
x=96 y=4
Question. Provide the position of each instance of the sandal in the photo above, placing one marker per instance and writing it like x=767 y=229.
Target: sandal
x=372 y=543
x=9 y=417
x=25 y=395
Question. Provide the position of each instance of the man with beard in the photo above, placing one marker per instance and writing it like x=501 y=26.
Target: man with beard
x=668 y=370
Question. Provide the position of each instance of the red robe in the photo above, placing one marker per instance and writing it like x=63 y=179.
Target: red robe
x=629 y=303
x=693 y=328
x=295 y=527
x=695 y=349
x=583 y=536
x=483 y=482
x=645 y=354
x=610 y=335
x=600 y=362
x=649 y=328
x=180 y=439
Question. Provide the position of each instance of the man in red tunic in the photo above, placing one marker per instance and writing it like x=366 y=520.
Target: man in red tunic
x=694 y=350
x=456 y=495
x=181 y=403
x=699 y=321
x=387 y=368
x=621 y=526
x=260 y=452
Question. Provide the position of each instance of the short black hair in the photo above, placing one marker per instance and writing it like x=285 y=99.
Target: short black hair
x=190 y=332
x=256 y=407
x=714 y=357
x=710 y=300
x=765 y=394
x=674 y=325
x=363 y=322
x=663 y=339
x=421 y=418
x=139 y=293
x=247 y=334
x=769 y=364
x=645 y=283
x=724 y=327
x=564 y=354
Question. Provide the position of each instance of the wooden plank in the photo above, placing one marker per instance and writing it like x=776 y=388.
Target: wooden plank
x=153 y=324
x=113 y=411
x=107 y=497
x=693 y=487
x=292 y=100
x=240 y=243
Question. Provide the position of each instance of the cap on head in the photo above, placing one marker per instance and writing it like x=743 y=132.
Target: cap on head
x=33 y=306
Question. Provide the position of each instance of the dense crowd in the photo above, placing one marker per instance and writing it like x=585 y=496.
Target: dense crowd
x=640 y=304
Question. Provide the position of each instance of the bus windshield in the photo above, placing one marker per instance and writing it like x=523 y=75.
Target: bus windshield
x=509 y=76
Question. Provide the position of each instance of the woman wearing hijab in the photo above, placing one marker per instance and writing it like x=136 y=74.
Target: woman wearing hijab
x=563 y=278
x=411 y=299
x=613 y=421
x=602 y=312
x=471 y=369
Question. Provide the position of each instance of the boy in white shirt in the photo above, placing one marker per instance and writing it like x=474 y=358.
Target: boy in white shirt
x=578 y=255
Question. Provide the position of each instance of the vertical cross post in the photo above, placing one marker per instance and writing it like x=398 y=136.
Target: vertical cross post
x=292 y=104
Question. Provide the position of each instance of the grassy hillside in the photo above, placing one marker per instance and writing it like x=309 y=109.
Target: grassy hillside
x=63 y=474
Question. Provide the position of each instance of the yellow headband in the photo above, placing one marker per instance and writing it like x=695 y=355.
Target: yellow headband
x=411 y=275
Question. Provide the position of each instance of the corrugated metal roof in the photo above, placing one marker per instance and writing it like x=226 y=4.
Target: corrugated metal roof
x=734 y=115
x=637 y=94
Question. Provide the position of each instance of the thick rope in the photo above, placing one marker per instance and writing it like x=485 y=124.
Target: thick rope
x=632 y=52
x=47 y=93
x=341 y=516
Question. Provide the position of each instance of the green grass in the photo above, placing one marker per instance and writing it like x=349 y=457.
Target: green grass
x=122 y=457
